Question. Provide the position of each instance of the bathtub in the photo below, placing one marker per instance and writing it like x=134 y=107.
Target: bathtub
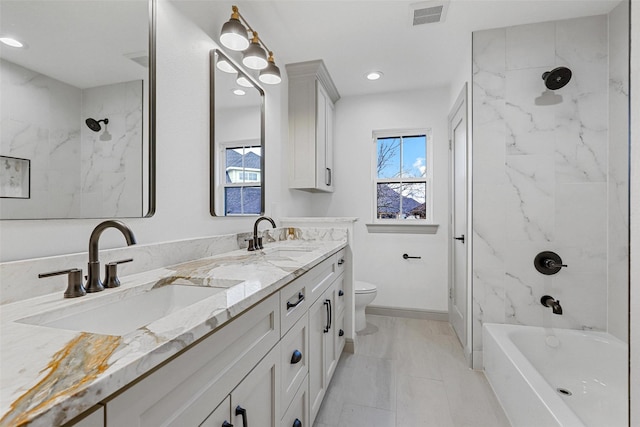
x=557 y=377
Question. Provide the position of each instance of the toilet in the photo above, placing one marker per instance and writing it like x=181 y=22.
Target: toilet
x=365 y=294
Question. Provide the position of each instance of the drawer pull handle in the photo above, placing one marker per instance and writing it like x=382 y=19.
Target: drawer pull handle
x=297 y=423
x=327 y=325
x=296 y=357
x=227 y=424
x=290 y=305
x=341 y=261
x=340 y=293
x=340 y=333
x=241 y=411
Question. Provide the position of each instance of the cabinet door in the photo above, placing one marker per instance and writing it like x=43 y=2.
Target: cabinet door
x=297 y=415
x=220 y=416
x=330 y=360
x=257 y=397
x=318 y=323
x=324 y=140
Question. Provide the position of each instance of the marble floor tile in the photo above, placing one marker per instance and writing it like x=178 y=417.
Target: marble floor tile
x=408 y=373
x=422 y=402
x=364 y=416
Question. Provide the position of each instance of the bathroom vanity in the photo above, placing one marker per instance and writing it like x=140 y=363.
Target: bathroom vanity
x=261 y=344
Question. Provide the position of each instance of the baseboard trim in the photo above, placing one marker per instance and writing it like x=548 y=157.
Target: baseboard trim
x=411 y=313
x=349 y=346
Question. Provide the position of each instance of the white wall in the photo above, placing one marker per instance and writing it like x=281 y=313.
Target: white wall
x=415 y=284
x=182 y=158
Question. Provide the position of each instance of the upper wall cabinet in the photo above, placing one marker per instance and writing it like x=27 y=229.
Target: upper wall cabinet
x=312 y=96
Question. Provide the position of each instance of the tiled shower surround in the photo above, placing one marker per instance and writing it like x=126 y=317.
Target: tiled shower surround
x=542 y=174
x=74 y=173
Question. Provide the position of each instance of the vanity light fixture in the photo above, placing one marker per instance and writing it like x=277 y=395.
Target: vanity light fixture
x=223 y=65
x=271 y=74
x=243 y=81
x=10 y=41
x=238 y=35
x=374 y=75
x=233 y=34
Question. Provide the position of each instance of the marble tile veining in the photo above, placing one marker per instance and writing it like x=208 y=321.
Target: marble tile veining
x=50 y=375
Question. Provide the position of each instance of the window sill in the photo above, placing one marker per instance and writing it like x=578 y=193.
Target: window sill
x=403 y=228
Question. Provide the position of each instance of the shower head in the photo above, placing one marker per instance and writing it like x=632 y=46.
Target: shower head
x=556 y=78
x=94 y=124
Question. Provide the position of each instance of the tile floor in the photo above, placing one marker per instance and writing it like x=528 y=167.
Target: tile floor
x=409 y=373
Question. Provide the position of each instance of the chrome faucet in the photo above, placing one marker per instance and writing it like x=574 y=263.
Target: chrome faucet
x=549 y=301
x=256 y=242
x=94 y=284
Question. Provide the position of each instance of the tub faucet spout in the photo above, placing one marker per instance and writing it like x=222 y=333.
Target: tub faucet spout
x=549 y=301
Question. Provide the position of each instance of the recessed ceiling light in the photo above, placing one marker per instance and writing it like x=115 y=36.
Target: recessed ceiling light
x=10 y=41
x=239 y=92
x=374 y=75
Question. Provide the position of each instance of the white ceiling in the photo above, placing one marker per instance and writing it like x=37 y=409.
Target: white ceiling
x=357 y=36
x=351 y=36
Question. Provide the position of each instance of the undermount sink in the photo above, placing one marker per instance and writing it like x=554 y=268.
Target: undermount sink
x=121 y=315
x=290 y=252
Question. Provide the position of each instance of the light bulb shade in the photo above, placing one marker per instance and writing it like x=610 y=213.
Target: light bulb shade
x=223 y=65
x=271 y=74
x=243 y=81
x=255 y=57
x=234 y=35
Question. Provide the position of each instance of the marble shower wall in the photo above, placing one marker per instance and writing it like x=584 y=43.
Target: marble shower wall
x=540 y=174
x=618 y=223
x=42 y=124
x=111 y=176
x=75 y=172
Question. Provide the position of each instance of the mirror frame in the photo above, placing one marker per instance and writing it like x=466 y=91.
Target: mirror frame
x=212 y=135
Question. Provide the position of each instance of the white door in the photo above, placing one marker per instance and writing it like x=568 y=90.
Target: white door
x=458 y=289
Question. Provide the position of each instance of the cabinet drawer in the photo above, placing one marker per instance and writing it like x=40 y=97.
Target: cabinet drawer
x=340 y=295
x=294 y=359
x=298 y=413
x=320 y=278
x=184 y=391
x=92 y=418
x=221 y=414
x=294 y=302
x=340 y=335
x=341 y=261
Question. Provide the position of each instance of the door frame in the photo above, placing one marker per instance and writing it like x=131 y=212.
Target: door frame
x=461 y=105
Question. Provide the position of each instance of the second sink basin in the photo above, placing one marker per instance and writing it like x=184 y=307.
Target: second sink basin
x=124 y=315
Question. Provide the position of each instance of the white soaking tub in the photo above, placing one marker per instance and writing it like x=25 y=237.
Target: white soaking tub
x=557 y=377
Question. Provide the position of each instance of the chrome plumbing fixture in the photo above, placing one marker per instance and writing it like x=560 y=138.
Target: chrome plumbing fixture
x=256 y=242
x=94 y=284
x=549 y=301
x=548 y=262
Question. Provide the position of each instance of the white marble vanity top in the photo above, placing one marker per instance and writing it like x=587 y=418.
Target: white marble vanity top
x=51 y=375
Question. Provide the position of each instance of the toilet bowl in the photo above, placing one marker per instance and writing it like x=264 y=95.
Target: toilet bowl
x=365 y=293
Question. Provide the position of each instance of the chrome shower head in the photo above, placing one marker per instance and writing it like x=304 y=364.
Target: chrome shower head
x=94 y=124
x=556 y=78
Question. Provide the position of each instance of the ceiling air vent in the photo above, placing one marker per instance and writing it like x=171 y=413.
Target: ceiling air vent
x=428 y=12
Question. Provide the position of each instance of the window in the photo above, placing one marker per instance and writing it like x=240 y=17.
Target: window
x=402 y=181
x=242 y=171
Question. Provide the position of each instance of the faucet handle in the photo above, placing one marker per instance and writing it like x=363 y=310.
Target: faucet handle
x=111 y=273
x=74 y=282
x=251 y=247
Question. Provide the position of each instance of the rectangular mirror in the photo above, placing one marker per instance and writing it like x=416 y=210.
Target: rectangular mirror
x=77 y=103
x=237 y=140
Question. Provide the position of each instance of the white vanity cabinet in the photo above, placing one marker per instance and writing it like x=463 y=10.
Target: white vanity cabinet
x=260 y=369
x=312 y=96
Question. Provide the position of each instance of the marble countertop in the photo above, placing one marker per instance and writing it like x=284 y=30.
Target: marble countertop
x=51 y=375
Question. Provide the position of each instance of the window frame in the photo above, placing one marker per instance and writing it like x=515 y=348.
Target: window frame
x=222 y=170
x=428 y=179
